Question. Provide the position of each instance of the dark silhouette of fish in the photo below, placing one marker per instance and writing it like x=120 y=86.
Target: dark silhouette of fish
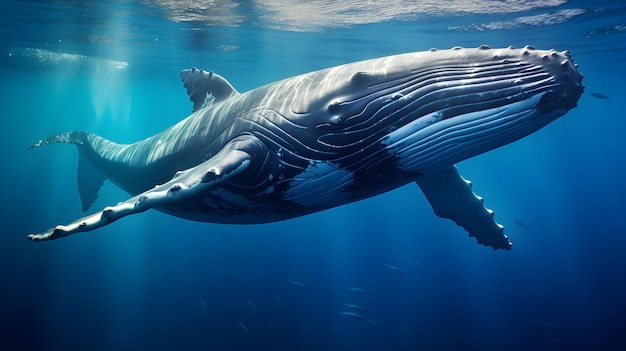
x=357 y=317
x=359 y=291
x=243 y=326
x=395 y=269
x=520 y=224
x=600 y=96
x=354 y=307
x=299 y=285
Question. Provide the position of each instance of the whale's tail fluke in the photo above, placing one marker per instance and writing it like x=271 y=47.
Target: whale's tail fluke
x=90 y=178
x=76 y=138
x=234 y=158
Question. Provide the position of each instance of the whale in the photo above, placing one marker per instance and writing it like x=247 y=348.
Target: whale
x=331 y=137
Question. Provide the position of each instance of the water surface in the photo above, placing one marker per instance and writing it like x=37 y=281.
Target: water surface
x=157 y=282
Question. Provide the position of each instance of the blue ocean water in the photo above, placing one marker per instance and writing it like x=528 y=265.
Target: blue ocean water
x=152 y=281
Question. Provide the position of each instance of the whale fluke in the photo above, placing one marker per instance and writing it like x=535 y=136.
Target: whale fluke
x=232 y=160
x=90 y=178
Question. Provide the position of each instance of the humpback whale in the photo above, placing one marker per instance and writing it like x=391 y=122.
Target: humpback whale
x=332 y=137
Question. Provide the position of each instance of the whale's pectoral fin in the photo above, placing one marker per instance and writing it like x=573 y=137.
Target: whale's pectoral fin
x=234 y=158
x=205 y=88
x=452 y=197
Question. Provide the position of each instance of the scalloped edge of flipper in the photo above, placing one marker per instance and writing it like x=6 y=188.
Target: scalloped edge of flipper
x=451 y=196
x=232 y=159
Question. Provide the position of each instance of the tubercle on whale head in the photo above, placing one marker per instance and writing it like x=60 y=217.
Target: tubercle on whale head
x=570 y=80
x=569 y=87
x=567 y=84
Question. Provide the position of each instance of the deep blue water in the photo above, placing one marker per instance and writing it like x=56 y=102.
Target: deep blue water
x=152 y=281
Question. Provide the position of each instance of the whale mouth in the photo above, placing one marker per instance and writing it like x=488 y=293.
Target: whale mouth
x=563 y=97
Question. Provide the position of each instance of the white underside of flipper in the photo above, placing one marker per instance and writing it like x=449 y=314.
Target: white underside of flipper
x=451 y=196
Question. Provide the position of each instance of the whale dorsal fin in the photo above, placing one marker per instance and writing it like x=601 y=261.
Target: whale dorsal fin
x=205 y=88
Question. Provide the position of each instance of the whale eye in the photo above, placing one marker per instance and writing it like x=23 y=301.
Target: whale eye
x=336 y=120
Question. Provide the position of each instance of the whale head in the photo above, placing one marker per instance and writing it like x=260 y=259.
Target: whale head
x=436 y=108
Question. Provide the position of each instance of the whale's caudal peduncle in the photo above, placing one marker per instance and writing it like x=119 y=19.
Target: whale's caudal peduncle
x=331 y=137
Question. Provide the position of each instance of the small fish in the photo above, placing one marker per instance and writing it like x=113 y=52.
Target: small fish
x=357 y=317
x=243 y=326
x=600 y=96
x=359 y=291
x=355 y=307
x=520 y=224
x=203 y=304
x=252 y=305
x=395 y=269
x=299 y=285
